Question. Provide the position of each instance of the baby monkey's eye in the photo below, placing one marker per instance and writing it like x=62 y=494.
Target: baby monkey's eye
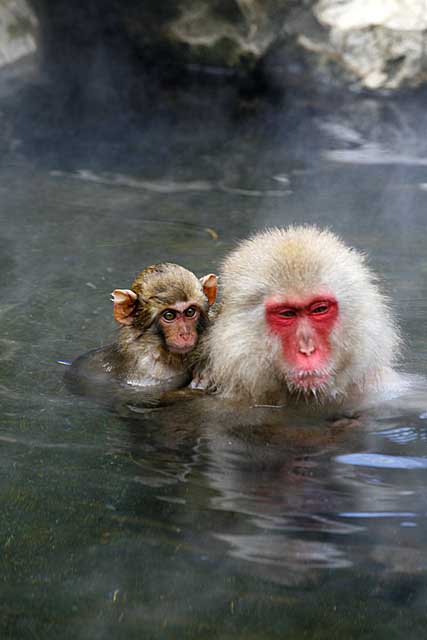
x=169 y=315
x=190 y=312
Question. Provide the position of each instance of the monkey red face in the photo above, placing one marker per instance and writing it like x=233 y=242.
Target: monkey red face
x=304 y=328
x=179 y=326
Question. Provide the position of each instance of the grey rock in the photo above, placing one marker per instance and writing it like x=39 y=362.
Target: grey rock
x=373 y=44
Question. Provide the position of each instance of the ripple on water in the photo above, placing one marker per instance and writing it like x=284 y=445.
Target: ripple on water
x=404 y=435
x=381 y=461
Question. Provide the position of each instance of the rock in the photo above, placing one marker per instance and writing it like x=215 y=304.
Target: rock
x=379 y=44
x=233 y=34
x=102 y=46
x=17 y=30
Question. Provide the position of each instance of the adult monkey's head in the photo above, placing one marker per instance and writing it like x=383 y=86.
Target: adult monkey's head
x=301 y=316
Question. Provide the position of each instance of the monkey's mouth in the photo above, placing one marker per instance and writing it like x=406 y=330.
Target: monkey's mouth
x=175 y=348
x=309 y=380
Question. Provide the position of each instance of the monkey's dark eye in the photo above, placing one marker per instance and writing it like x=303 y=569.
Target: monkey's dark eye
x=190 y=312
x=169 y=315
x=287 y=313
x=322 y=308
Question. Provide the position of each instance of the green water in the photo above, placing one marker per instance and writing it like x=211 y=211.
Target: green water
x=202 y=521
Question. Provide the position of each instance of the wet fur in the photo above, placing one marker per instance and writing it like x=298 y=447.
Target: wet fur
x=140 y=356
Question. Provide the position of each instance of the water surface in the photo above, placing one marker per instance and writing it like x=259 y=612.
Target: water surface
x=203 y=520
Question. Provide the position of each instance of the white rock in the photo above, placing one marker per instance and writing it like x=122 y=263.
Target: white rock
x=17 y=28
x=402 y=15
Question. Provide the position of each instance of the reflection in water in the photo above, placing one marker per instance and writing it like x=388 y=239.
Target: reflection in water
x=373 y=154
x=405 y=435
x=280 y=494
x=377 y=460
x=171 y=186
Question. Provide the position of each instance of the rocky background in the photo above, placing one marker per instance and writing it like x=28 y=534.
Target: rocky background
x=374 y=44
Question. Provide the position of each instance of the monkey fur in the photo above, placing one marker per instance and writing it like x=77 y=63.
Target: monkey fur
x=245 y=359
x=141 y=355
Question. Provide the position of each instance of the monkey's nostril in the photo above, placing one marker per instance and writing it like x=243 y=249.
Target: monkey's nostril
x=307 y=351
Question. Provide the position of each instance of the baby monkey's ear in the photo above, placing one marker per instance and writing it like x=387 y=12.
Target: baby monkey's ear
x=124 y=305
x=210 y=286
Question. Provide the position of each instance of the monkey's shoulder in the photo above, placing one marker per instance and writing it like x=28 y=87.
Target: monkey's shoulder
x=96 y=364
x=107 y=366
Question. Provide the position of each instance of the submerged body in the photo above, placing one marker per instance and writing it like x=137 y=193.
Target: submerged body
x=302 y=320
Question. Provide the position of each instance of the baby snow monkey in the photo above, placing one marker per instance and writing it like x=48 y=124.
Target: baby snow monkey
x=162 y=317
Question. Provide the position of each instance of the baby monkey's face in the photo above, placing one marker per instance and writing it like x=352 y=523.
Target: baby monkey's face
x=179 y=325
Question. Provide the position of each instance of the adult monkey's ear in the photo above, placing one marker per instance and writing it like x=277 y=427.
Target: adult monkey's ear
x=210 y=286
x=124 y=305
